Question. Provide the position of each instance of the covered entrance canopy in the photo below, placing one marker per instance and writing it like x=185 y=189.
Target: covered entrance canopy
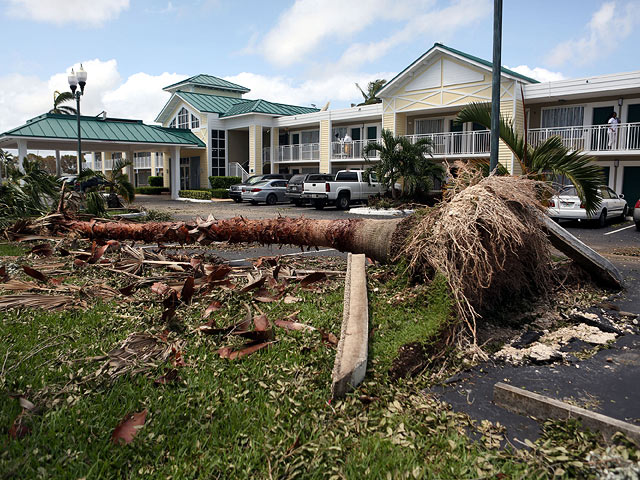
x=100 y=134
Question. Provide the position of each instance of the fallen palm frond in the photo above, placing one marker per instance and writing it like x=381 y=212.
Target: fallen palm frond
x=487 y=240
x=36 y=300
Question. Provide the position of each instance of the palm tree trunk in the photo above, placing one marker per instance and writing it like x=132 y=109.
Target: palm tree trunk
x=378 y=239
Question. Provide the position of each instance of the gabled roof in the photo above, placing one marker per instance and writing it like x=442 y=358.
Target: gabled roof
x=229 y=106
x=459 y=53
x=64 y=127
x=209 y=81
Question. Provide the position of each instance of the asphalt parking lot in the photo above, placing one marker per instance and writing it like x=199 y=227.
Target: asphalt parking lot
x=617 y=234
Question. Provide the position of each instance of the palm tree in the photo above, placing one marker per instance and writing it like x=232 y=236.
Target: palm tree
x=370 y=95
x=116 y=182
x=400 y=158
x=58 y=100
x=545 y=161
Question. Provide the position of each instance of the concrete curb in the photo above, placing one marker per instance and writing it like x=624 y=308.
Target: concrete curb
x=380 y=212
x=532 y=404
x=350 y=365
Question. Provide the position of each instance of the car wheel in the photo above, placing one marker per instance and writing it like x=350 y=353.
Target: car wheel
x=602 y=219
x=237 y=200
x=271 y=199
x=253 y=202
x=319 y=204
x=625 y=211
x=343 y=202
x=297 y=203
x=638 y=226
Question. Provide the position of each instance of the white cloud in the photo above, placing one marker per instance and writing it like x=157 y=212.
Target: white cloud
x=139 y=96
x=606 y=30
x=60 y=12
x=340 y=88
x=308 y=23
x=436 y=23
x=540 y=74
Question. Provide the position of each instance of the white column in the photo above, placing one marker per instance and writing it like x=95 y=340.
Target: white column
x=22 y=154
x=58 y=164
x=175 y=172
x=130 y=169
x=272 y=149
x=93 y=161
x=154 y=157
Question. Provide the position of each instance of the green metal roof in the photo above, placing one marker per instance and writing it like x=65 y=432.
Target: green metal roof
x=56 y=126
x=228 y=107
x=209 y=81
x=465 y=55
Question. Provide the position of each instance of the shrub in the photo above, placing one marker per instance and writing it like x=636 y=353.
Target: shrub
x=156 y=181
x=197 y=194
x=151 y=190
x=219 y=193
x=223 y=182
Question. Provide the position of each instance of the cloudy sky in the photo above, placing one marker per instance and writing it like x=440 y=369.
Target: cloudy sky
x=293 y=51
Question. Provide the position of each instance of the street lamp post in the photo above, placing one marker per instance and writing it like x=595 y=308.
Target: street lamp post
x=75 y=79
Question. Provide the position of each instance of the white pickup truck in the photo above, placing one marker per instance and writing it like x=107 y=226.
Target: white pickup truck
x=347 y=188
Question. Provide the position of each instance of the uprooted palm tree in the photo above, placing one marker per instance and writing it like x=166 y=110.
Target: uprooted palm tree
x=546 y=160
x=399 y=158
x=372 y=89
x=116 y=183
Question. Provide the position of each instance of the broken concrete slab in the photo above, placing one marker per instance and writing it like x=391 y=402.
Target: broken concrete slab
x=351 y=358
x=527 y=403
x=601 y=269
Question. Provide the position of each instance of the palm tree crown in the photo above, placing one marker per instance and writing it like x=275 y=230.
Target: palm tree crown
x=372 y=89
x=60 y=98
x=546 y=160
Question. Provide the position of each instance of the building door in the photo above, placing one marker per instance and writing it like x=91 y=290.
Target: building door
x=606 y=171
x=456 y=138
x=633 y=116
x=184 y=174
x=194 y=172
x=599 y=138
x=631 y=185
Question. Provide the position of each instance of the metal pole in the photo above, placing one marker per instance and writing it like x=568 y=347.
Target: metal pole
x=79 y=135
x=495 y=84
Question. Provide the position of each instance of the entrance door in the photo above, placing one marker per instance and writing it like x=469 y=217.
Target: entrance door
x=194 y=172
x=633 y=116
x=184 y=174
x=456 y=140
x=631 y=185
x=605 y=173
x=599 y=138
x=356 y=145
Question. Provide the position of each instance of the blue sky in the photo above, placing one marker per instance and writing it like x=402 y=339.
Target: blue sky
x=302 y=51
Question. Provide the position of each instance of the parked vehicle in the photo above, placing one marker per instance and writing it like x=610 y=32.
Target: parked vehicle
x=348 y=187
x=235 y=191
x=295 y=187
x=636 y=215
x=267 y=191
x=567 y=205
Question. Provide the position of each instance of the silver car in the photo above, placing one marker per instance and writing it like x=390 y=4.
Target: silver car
x=268 y=191
x=567 y=205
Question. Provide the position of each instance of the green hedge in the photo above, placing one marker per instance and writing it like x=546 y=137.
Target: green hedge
x=197 y=194
x=151 y=190
x=223 y=182
x=156 y=181
x=219 y=193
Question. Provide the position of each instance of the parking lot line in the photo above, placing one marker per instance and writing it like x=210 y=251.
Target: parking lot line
x=620 y=229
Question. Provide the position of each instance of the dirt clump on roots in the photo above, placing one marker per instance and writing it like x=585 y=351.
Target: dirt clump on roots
x=487 y=240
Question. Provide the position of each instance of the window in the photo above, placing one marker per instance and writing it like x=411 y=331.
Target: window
x=310 y=136
x=338 y=133
x=429 y=126
x=218 y=150
x=347 y=177
x=562 y=117
x=183 y=118
x=372 y=133
x=173 y=123
x=195 y=121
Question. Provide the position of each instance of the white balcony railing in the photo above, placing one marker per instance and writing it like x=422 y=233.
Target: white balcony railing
x=266 y=155
x=477 y=142
x=299 y=152
x=591 y=138
x=108 y=164
x=98 y=166
x=142 y=162
x=351 y=150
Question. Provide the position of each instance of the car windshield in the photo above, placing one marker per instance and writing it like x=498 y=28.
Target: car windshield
x=253 y=180
x=297 y=179
x=568 y=192
x=319 y=178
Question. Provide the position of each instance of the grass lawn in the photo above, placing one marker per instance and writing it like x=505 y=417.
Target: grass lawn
x=267 y=415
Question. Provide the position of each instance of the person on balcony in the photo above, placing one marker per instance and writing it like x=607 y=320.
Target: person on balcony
x=347 y=142
x=613 y=130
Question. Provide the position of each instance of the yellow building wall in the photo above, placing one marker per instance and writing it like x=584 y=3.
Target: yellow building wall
x=389 y=121
x=504 y=153
x=325 y=146
x=255 y=149
x=401 y=124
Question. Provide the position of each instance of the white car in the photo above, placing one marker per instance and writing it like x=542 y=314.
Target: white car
x=567 y=205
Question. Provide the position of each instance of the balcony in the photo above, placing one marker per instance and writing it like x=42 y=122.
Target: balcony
x=592 y=138
x=142 y=162
x=303 y=152
x=474 y=143
x=351 y=150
